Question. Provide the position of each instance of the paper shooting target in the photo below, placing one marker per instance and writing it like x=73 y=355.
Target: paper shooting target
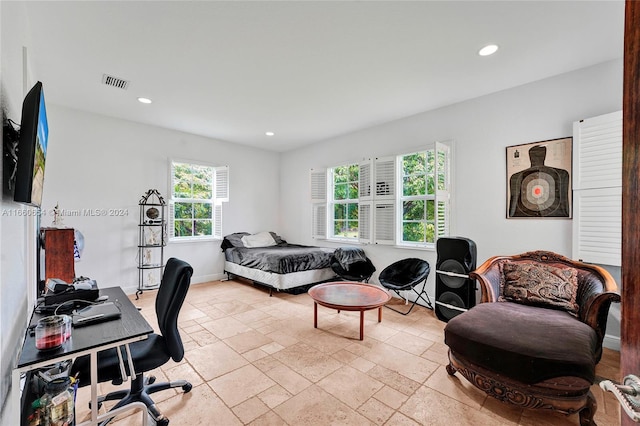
x=543 y=189
x=538 y=191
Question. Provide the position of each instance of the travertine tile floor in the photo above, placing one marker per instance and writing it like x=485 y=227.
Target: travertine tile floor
x=257 y=360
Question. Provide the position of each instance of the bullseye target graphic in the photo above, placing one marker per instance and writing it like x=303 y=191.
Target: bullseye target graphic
x=539 y=179
x=538 y=191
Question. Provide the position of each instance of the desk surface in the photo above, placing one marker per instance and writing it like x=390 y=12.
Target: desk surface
x=130 y=324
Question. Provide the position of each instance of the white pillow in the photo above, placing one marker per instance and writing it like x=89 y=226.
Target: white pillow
x=261 y=239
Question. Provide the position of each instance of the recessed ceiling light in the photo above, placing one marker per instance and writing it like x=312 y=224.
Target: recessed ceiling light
x=488 y=50
x=144 y=100
x=269 y=133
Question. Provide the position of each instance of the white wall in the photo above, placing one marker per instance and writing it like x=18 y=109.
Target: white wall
x=97 y=162
x=481 y=129
x=16 y=273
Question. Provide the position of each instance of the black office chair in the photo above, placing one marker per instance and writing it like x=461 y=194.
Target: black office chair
x=150 y=353
x=351 y=264
x=407 y=274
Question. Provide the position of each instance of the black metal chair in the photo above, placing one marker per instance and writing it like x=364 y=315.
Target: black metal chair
x=150 y=353
x=407 y=274
x=351 y=264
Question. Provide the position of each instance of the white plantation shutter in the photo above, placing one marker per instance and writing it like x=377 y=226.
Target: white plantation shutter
x=598 y=228
x=365 y=219
x=384 y=222
x=443 y=194
x=366 y=177
x=384 y=184
x=217 y=220
x=319 y=221
x=318 y=192
x=385 y=178
x=442 y=218
x=170 y=219
x=221 y=184
x=597 y=185
x=170 y=225
x=597 y=152
x=318 y=179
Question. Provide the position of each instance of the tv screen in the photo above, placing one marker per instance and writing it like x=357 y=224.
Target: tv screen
x=32 y=148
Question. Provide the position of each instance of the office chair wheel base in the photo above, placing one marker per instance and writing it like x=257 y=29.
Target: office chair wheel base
x=99 y=405
x=186 y=388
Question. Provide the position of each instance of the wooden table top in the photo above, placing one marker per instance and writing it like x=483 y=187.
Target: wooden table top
x=349 y=296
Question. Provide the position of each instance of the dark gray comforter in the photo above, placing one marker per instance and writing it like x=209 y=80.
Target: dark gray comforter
x=281 y=259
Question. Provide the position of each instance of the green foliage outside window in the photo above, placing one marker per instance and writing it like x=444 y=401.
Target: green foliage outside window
x=418 y=190
x=345 y=189
x=194 y=184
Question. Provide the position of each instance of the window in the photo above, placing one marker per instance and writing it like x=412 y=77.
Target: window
x=423 y=196
x=400 y=200
x=197 y=193
x=344 y=201
x=418 y=196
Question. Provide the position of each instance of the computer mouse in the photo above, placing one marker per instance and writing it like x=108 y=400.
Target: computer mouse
x=101 y=299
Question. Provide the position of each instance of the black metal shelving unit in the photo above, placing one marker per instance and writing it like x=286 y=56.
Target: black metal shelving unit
x=152 y=232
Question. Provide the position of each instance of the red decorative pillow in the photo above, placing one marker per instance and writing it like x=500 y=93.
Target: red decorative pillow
x=537 y=284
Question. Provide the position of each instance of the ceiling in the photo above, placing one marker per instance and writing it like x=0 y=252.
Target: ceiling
x=305 y=70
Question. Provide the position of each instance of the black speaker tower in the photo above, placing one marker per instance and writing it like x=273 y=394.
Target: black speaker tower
x=455 y=291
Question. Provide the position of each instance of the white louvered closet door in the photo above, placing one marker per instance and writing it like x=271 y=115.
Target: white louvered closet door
x=597 y=189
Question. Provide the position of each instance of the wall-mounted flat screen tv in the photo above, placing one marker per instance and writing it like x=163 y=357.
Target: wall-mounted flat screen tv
x=32 y=148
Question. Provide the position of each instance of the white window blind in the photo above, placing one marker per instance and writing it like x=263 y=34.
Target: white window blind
x=597 y=178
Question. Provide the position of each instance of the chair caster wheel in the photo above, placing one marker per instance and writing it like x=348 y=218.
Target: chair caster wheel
x=151 y=380
x=162 y=422
x=186 y=388
x=99 y=405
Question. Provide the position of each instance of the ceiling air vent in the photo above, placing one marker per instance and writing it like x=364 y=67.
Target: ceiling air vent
x=112 y=81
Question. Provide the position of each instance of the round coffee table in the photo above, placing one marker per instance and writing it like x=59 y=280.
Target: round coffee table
x=348 y=296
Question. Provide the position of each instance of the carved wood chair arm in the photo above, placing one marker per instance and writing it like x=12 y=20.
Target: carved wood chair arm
x=488 y=276
x=596 y=311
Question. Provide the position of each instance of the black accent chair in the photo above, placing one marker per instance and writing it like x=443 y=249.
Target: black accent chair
x=351 y=264
x=150 y=353
x=407 y=274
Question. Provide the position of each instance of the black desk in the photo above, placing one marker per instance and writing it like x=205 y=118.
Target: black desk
x=88 y=340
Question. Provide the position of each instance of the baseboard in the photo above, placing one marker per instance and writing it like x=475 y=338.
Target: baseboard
x=207 y=278
x=194 y=280
x=611 y=342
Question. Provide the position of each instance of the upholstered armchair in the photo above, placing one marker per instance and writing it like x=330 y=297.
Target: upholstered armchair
x=536 y=338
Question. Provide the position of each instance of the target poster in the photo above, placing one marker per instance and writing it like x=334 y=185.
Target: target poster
x=539 y=179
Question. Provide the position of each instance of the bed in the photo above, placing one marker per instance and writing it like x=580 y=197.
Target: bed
x=266 y=259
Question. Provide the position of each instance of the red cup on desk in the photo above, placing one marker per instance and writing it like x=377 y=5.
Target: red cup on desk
x=52 y=332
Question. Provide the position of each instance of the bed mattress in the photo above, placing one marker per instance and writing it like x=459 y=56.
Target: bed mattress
x=281 y=259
